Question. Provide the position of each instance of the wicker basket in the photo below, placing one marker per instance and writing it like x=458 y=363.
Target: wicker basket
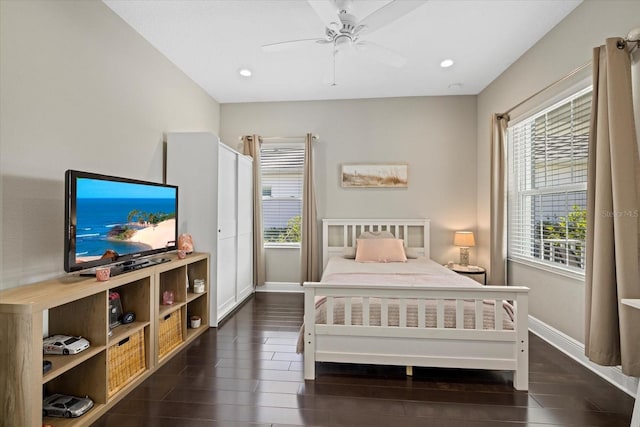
x=170 y=333
x=126 y=361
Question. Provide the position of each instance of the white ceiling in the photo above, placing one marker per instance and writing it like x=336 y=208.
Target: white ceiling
x=211 y=40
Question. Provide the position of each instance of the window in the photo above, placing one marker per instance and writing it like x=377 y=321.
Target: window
x=547 y=190
x=282 y=168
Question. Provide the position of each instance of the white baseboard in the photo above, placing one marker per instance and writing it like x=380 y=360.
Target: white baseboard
x=280 y=287
x=230 y=308
x=575 y=350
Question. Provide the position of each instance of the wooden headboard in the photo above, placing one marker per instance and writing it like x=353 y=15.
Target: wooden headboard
x=339 y=234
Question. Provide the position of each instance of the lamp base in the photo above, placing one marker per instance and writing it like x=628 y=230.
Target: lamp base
x=464 y=256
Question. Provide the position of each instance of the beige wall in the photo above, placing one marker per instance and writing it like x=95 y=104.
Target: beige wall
x=434 y=135
x=556 y=300
x=79 y=89
x=283 y=265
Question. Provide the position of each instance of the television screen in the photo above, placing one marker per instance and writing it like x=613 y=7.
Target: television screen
x=111 y=219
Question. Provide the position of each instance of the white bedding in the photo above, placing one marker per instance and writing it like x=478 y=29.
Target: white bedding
x=420 y=271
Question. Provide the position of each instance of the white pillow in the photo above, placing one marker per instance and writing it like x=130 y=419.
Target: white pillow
x=376 y=235
x=411 y=253
x=349 y=253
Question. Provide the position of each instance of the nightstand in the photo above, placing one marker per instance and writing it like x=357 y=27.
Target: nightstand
x=470 y=270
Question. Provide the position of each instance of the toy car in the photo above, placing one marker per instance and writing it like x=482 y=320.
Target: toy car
x=61 y=405
x=64 y=344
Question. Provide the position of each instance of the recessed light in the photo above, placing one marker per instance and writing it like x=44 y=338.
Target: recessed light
x=455 y=85
x=245 y=72
x=446 y=63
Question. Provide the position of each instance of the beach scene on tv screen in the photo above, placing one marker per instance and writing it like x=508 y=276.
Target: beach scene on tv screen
x=122 y=218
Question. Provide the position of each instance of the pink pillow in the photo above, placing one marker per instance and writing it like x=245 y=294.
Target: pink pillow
x=380 y=250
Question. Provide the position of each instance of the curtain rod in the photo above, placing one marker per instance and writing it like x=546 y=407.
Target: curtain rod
x=544 y=89
x=267 y=138
x=632 y=37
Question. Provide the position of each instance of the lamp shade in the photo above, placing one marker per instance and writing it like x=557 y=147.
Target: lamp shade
x=464 y=239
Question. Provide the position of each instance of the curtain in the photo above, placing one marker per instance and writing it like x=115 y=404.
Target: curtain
x=612 y=332
x=309 y=266
x=251 y=147
x=635 y=83
x=497 y=245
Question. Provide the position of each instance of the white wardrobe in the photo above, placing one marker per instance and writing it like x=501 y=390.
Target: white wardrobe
x=216 y=207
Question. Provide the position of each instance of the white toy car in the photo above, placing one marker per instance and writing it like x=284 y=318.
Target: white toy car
x=60 y=405
x=64 y=344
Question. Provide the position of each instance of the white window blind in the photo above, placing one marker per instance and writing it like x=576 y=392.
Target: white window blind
x=547 y=188
x=282 y=169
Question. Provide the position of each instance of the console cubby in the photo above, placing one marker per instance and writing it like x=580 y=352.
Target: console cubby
x=85 y=317
x=79 y=306
x=82 y=318
x=197 y=303
x=94 y=372
x=175 y=281
x=136 y=297
x=198 y=306
x=198 y=270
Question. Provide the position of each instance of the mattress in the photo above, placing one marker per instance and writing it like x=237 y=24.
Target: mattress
x=420 y=271
x=415 y=272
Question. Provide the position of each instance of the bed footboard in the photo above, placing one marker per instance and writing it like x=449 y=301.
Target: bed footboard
x=426 y=342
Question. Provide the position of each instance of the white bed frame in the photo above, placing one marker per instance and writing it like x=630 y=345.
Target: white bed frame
x=493 y=349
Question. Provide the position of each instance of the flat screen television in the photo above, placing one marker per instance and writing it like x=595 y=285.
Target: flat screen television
x=111 y=220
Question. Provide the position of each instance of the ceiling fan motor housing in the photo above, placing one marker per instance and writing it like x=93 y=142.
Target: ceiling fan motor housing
x=348 y=23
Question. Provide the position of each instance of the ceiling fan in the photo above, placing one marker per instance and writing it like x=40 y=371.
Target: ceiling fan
x=345 y=32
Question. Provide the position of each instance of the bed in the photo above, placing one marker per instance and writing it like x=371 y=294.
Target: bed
x=414 y=313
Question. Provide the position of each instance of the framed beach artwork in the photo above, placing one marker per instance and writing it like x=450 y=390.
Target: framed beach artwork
x=375 y=175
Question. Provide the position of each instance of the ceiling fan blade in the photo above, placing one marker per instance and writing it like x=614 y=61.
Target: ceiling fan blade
x=326 y=10
x=388 y=13
x=381 y=54
x=291 y=44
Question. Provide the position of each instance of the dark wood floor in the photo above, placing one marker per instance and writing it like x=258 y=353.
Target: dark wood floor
x=246 y=373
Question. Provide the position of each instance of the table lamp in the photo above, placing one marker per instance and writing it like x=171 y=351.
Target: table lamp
x=465 y=240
